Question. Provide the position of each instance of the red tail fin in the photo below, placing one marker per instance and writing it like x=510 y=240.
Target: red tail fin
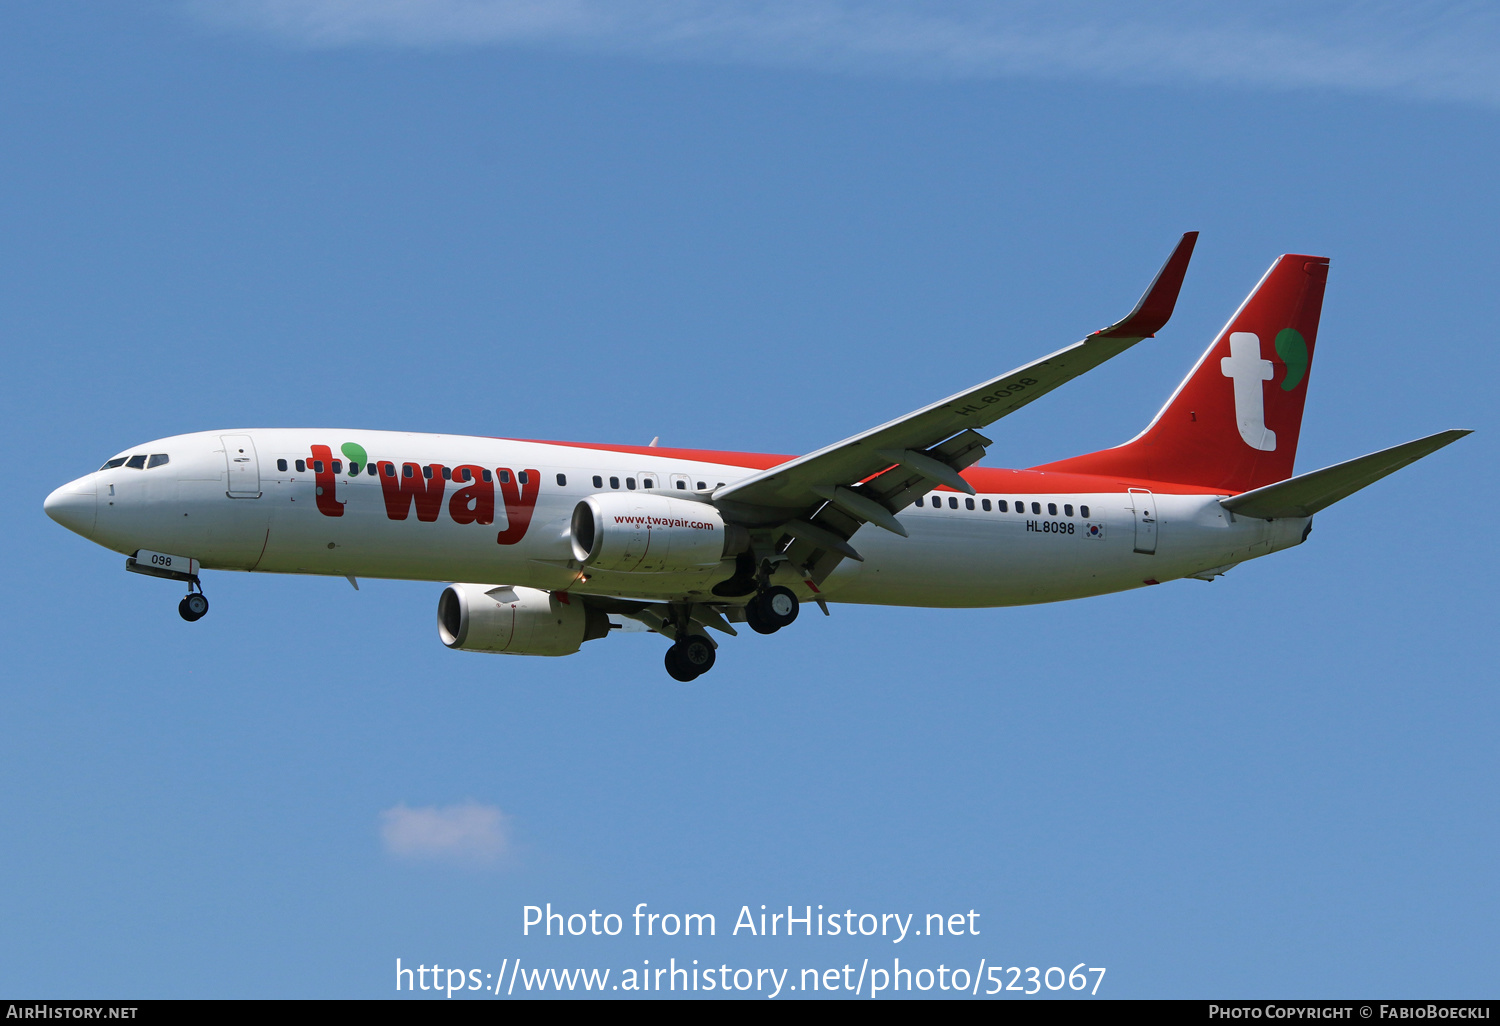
x=1233 y=423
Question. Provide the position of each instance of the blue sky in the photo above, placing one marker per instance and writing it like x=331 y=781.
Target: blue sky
x=757 y=226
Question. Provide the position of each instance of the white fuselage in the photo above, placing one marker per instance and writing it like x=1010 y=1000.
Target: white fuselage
x=234 y=510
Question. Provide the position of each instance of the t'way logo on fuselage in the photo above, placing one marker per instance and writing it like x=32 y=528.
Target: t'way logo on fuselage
x=422 y=486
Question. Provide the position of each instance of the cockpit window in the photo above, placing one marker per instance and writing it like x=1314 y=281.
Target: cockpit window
x=158 y=459
x=118 y=461
x=137 y=462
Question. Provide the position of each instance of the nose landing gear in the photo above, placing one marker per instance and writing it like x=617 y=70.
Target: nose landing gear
x=194 y=605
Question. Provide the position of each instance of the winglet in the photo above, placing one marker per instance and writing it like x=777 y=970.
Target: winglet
x=1155 y=308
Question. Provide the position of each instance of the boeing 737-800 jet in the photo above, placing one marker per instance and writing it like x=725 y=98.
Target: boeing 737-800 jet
x=565 y=540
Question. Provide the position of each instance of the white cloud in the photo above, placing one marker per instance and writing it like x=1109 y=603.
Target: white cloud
x=1436 y=50
x=468 y=833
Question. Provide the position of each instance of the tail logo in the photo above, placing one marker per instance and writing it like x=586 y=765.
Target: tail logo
x=1247 y=370
x=1292 y=348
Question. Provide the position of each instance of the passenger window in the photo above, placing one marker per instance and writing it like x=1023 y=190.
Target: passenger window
x=1083 y=511
x=406 y=470
x=1002 y=505
x=648 y=483
x=562 y=480
x=522 y=477
x=447 y=474
x=630 y=482
x=953 y=502
x=614 y=482
x=702 y=486
x=505 y=477
x=281 y=464
x=919 y=500
x=598 y=481
x=370 y=469
x=1052 y=509
x=301 y=466
x=317 y=466
x=968 y=504
x=1036 y=507
x=118 y=461
x=682 y=486
x=158 y=459
x=489 y=477
x=353 y=469
x=427 y=471
x=338 y=466
x=1067 y=509
x=986 y=504
x=389 y=468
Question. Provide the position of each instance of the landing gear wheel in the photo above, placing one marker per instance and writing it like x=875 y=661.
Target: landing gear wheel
x=775 y=608
x=690 y=658
x=755 y=620
x=193 y=607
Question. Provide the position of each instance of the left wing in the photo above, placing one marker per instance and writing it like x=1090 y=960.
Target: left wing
x=869 y=477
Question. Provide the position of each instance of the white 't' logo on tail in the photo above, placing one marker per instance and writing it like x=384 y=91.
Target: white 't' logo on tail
x=1248 y=370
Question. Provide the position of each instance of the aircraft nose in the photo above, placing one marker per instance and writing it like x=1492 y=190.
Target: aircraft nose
x=74 y=505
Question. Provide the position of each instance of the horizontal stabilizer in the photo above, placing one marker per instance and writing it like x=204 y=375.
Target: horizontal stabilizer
x=1305 y=494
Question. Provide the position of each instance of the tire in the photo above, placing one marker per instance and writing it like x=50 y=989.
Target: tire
x=778 y=606
x=184 y=612
x=196 y=604
x=754 y=619
x=676 y=669
x=696 y=654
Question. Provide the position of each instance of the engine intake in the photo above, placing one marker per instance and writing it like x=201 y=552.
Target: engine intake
x=516 y=621
x=644 y=533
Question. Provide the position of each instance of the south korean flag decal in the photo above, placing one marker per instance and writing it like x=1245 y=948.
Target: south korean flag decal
x=1092 y=530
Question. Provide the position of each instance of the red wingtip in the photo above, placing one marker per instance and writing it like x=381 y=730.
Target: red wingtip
x=1155 y=308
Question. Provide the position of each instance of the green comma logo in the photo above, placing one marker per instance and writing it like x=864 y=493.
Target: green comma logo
x=355 y=453
x=1292 y=348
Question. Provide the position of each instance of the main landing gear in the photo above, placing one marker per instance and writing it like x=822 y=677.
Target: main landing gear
x=771 y=609
x=690 y=657
x=194 y=605
x=692 y=654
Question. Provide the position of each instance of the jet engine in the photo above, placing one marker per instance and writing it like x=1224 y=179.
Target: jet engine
x=516 y=621
x=645 y=533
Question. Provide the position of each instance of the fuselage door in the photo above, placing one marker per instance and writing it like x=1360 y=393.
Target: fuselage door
x=1144 y=504
x=244 y=467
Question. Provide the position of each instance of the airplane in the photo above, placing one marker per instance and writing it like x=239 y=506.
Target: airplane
x=564 y=542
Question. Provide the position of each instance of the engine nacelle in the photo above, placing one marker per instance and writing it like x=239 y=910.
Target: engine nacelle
x=515 y=621
x=643 y=533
